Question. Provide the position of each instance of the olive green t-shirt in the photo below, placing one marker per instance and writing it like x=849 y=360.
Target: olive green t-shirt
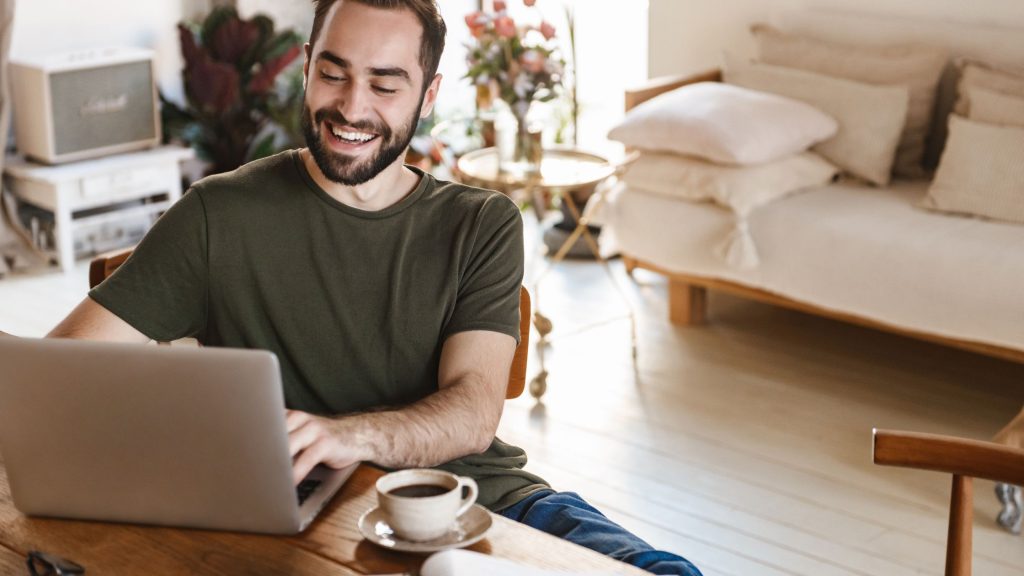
x=355 y=304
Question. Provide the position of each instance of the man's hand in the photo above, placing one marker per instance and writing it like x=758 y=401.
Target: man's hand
x=314 y=440
x=459 y=419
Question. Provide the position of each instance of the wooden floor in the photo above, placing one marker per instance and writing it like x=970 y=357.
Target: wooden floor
x=743 y=445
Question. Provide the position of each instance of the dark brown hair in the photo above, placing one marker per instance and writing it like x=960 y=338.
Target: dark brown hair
x=428 y=13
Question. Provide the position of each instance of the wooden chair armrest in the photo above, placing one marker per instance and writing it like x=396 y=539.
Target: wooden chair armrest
x=517 y=375
x=959 y=456
x=660 y=85
x=104 y=265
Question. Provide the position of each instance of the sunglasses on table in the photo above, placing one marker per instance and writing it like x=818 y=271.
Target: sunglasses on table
x=43 y=564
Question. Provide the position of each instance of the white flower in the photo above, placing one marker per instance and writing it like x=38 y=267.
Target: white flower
x=523 y=87
x=554 y=67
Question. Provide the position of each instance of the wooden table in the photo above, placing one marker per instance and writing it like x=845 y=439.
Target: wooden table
x=332 y=545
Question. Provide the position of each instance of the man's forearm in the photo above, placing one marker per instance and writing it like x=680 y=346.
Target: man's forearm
x=441 y=427
x=458 y=420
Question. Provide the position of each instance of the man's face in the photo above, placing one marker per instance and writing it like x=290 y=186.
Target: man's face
x=364 y=91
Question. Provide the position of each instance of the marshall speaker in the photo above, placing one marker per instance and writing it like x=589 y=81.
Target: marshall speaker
x=85 y=104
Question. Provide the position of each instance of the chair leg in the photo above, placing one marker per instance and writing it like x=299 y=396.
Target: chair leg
x=961 y=521
x=1010 y=517
x=687 y=304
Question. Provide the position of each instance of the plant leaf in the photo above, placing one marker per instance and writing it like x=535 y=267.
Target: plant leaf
x=263 y=80
x=257 y=52
x=263 y=148
x=234 y=39
x=213 y=21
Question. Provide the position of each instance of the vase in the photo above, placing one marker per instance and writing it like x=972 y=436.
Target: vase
x=519 y=148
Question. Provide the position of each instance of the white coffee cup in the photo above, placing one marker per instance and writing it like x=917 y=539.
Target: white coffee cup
x=422 y=504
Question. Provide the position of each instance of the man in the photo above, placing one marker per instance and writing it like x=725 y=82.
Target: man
x=390 y=299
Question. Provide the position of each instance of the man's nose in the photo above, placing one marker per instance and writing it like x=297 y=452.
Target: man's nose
x=353 y=104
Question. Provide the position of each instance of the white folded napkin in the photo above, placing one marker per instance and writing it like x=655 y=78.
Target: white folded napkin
x=466 y=563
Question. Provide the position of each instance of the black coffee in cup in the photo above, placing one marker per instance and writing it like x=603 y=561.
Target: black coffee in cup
x=418 y=490
x=422 y=504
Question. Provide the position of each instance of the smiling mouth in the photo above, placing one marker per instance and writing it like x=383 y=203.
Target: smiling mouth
x=350 y=136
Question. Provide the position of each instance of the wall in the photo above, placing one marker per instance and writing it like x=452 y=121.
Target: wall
x=45 y=27
x=689 y=35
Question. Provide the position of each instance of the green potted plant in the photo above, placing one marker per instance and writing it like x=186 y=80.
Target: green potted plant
x=236 y=106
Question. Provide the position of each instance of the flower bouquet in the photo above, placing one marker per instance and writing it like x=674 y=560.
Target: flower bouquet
x=519 y=64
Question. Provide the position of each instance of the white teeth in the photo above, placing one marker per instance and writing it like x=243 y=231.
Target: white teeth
x=353 y=136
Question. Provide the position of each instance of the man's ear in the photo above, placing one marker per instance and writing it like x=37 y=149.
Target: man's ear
x=430 y=96
x=305 y=64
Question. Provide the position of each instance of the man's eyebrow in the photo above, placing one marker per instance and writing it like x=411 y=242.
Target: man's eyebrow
x=332 y=58
x=390 y=71
x=393 y=71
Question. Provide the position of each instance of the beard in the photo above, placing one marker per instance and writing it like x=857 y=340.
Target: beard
x=348 y=170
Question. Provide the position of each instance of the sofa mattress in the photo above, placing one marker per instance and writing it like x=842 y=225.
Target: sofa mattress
x=848 y=248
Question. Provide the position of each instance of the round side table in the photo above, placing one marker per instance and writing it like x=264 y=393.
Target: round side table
x=562 y=171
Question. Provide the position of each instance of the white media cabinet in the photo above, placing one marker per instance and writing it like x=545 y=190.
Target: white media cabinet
x=104 y=191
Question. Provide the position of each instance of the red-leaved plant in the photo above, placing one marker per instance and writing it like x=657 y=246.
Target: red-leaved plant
x=231 y=69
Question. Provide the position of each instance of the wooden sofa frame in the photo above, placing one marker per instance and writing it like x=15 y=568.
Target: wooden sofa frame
x=687 y=294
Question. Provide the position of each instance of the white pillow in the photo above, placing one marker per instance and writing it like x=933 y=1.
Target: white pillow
x=870 y=117
x=725 y=124
x=915 y=65
x=977 y=75
x=981 y=172
x=740 y=188
x=995 y=108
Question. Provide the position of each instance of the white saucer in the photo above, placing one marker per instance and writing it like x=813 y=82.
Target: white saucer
x=469 y=528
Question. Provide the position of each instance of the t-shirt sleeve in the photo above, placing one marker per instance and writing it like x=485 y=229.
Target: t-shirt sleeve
x=161 y=289
x=488 y=292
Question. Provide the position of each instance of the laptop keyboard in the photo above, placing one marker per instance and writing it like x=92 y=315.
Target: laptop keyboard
x=305 y=488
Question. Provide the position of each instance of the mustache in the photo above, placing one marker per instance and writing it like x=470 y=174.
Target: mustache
x=336 y=117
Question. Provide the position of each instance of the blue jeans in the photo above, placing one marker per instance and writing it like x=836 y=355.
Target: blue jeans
x=566 y=515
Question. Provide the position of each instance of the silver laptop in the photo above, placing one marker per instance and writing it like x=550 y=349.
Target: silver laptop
x=175 y=436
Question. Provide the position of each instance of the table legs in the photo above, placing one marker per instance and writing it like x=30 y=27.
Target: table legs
x=1013 y=508
x=542 y=323
x=1010 y=517
x=65 y=239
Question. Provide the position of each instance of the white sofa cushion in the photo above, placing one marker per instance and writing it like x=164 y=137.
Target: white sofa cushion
x=977 y=75
x=918 y=66
x=870 y=117
x=739 y=188
x=725 y=124
x=996 y=42
x=981 y=172
x=995 y=108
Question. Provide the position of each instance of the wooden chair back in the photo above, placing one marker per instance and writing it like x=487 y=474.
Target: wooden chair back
x=104 y=265
x=965 y=460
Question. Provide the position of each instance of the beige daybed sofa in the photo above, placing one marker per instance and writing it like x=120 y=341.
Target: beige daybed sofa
x=848 y=250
